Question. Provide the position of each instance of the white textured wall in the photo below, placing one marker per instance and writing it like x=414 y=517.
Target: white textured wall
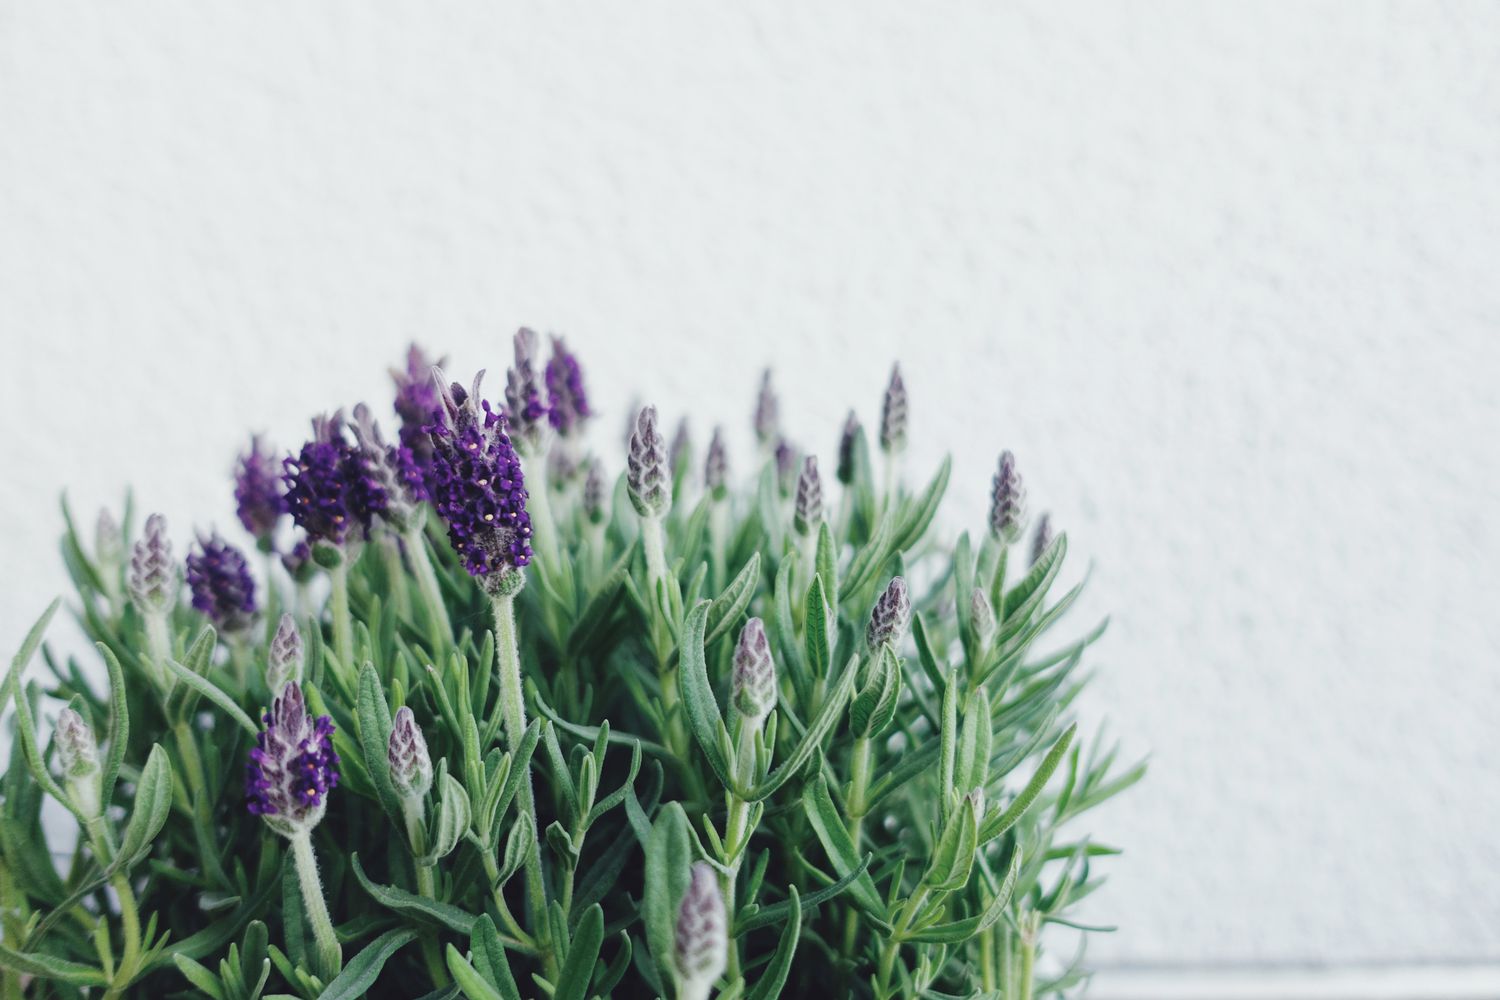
x=1223 y=276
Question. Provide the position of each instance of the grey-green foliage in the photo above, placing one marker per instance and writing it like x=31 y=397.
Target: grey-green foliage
x=904 y=823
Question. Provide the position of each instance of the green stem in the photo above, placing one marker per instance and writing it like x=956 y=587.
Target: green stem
x=893 y=943
x=330 y=955
x=159 y=648
x=859 y=783
x=498 y=892
x=1028 y=956
x=427 y=584
x=130 y=922
x=718 y=536
x=737 y=831
x=513 y=707
x=656 y=554
x=539 y=507
x=343 y=630
x=437 y=969
x=390 y=554
x=209 y=847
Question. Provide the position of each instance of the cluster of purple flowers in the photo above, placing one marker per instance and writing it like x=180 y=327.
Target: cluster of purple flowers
x=220 y=581
x=417 y=405
x=293 y=766
x=257 y=492
x=476 y=484
x=332 y=487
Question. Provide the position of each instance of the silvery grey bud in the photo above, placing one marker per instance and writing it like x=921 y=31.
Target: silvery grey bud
x=392 y=475
x=890 y=617
x=808 y=511
x=893 y=414
x=648 y=478
x=593 y=494
x=681 y=450
x=525 y=408
x=109 y=544
x=981 y=615
x=753 y=679
x=767 y=411
x=78 y=756
x=411 y=766
x=845 y=470
x=1042 y=540
x=153 y=577
x=1007 y=500
x=284 y=660
x=701 y=935
x=786 y=467
x=716 y=467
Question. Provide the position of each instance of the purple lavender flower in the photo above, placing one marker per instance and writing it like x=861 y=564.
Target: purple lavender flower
x=753 y=679
x=392 y=468
x=890 y=616
x=418 y=405
x=701 y=938
x=808 y=510
x=786 y=466
x=647 y=476
x=152 y=579
x=1007 y=500
x=592 y=500
x=331 y=487
x=1042 y=540
x=257 y=492
x=293 y=766
x=845 y=470
x=767 y=411
x=716 y=467
x=477 y=486
x=893 y=414
x=525 y=413
x=567 y=401
x=221 y=584
x=298 y=563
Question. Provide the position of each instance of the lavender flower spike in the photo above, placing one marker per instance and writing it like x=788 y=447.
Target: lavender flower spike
x=808 y=512
x=648 y=477
x=893 y=414
x=257 y=493
x=221 y=584
x=701 y=939
x=78 y=756
x=1007 y=500
x=767 y=411
x=754 y=674
x=1042 y=540
x=567 y=401
x=592 y=499
x=890 y=617
x=716 y=467
x=293 y=766
x=285 y=657
x=524 y=410
x=330 y=488
x=417 y=404
x=392 y=469
x=786 y=466
x=411 y=765
x=478 y=489
x=845 y=470
x=152 y=579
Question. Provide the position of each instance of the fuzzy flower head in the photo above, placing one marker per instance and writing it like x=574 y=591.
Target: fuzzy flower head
x=786 y=467
x=417 y=404
x=331 y=490
x=477 y=487
x=292 y=767
x=1007 y=500
x=392 y=468
x=257 y=492
x=592 y=499
x=767 y=411
x=78 y=757
x=1042 y=540
x=222 y=587
x=567 y=400
x=890 y=617
x=406 y=752
x=808 y=511
x=716 y=467
x=152 y=580
x=525 y=411
x=648 y=476
x=701 y=940
x=893 y=414
x=845 y=470
x=754 y=674
x=285 y=658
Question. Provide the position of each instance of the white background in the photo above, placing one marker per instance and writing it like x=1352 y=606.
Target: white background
x=1224 y=277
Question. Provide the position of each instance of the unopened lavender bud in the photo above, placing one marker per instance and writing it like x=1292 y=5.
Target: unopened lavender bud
x=78 y=756
x=285 y=657
x=716 y=467
x=786 y=467
x=648 y=477
x=411 y=766
x=809 y=507
x=845 y=470
x=594 y=507
x=681 y=449
x=1042 y=540
x=1007 y=500
x=893 y=414
x=152 y=579
x=109 y=544
x=701 y=940
x=524 y=409
x=754 y=674
x=767 y=411
x=890 y=617
x=391 y=471
x=981 y=615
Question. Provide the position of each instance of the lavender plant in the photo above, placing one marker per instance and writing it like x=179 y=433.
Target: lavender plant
x=542 y=734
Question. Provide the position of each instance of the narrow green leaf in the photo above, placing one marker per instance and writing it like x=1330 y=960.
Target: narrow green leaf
x=838 y=844
x=50 y=967
x=471 y=982
x=698 y=701
x=153 y=801
x=209 y=690
x=583 y=955
x=812 y=740
x=1005 y=820
x=669 y=860
x=373 y=726
x=360 y=973
x=412 y=904
x=769 y=986
x=728 y=606
x=119 y=725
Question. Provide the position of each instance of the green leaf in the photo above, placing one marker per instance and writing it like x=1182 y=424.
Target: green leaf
x=211 y=691
x=362 y=971
x=471 y=982
x=50 y=967
x=373 y=718
x=200 y=977
x=919 y=515
x=698 y=701
x=825 y=564
x=874 y=707
x=583 y=955
x=815 y=630
x=953 y=856
x=728 y=606
x=412 y=904
x=489 y=959
x=153 y=801
x=959 y=931
x=838 y=844
x=972 y=767
x=1005 y=820
x=119 y=725
x=769 y=986
x=777 y=913
x=828 y=716
x=669 y=860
